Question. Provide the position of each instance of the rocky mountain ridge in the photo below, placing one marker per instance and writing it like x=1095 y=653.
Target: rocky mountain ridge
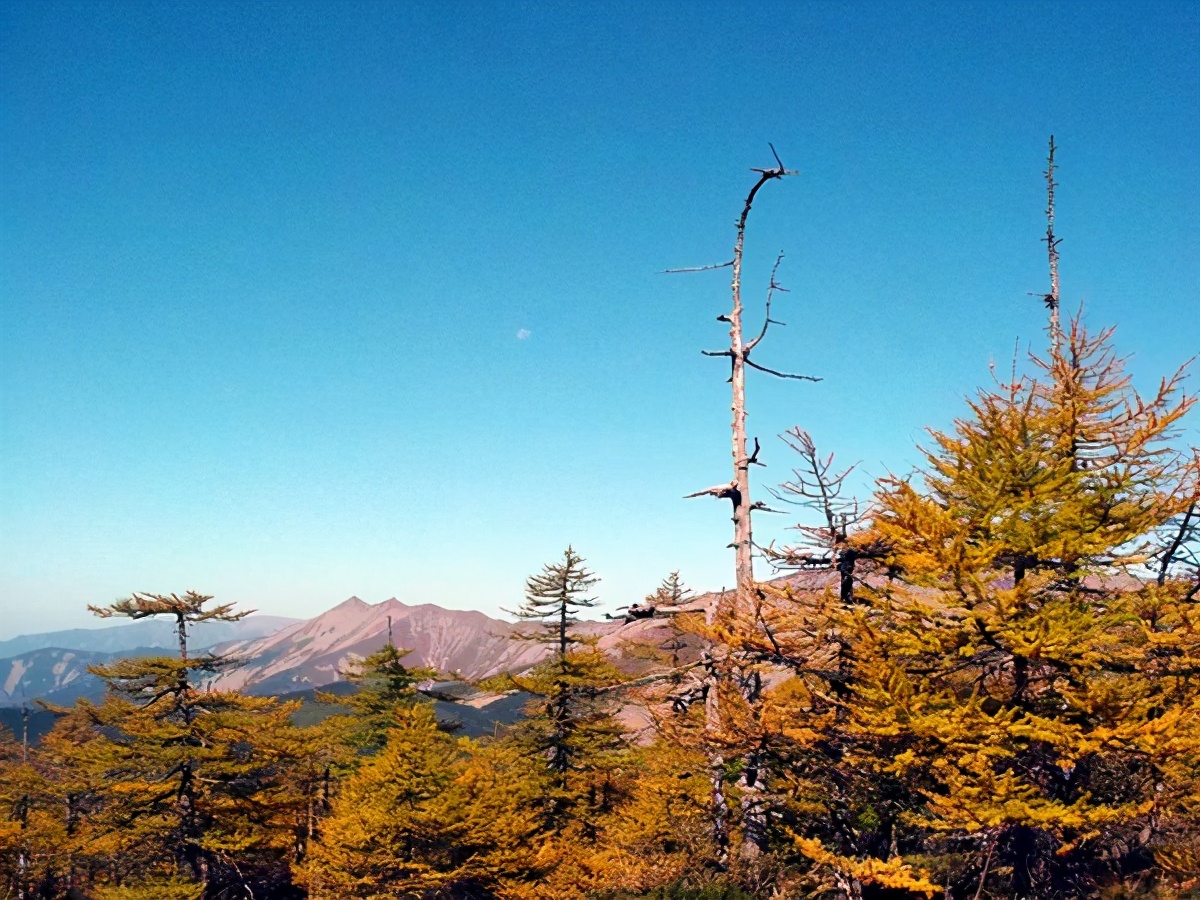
x=278 y=656
x=315 y=652
x=53 y=666
x=56 y=674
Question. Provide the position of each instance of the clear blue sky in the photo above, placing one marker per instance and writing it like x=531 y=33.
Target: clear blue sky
x=304 y=301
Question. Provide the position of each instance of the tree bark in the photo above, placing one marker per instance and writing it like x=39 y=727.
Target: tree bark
x=181 y=631
x=754 y=822
x=1052 y=251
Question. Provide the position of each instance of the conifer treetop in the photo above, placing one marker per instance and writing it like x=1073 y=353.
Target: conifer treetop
x=567 y=580
x=187 y=609
x=672 y=591
x=384 y=684
x=553 y=595
x=189 y=606
x=1066 y=472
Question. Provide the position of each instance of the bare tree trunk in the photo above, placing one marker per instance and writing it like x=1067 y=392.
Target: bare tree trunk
x=1052 y=249
x=718 y=803
x=738 y=490
x=742 y=600
x=753 y=778
x=752 y=783
x=562 y=630
x=181 y=630
x=743 y=532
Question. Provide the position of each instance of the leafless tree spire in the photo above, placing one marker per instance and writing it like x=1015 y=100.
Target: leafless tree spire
x=737 y=490
x=743 y=600
x=1052 y=250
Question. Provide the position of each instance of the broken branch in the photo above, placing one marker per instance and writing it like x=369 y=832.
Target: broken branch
x=718 y=490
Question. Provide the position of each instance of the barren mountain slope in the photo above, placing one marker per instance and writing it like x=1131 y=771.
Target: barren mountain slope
x=315 y=652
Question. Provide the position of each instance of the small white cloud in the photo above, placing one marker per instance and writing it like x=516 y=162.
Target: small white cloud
x=524 y=334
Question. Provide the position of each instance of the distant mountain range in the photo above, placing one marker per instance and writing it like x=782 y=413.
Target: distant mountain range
x=465 y=711
x=280 y=656
x=53 y=666
x=313 y=653
x=56 y=674
x=277 y=655
x=146 y=633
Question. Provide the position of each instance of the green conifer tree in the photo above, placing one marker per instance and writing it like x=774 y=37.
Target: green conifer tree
x=555 y=595
x=571 y=731
x=384 y=684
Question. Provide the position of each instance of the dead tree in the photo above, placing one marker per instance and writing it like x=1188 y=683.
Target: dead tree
x=1177 y=553
x=1051 y=299
x=737 y=490
x=742 y=601
x=816 y=485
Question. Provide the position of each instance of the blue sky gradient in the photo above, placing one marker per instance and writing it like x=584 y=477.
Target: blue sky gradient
x=263 y=268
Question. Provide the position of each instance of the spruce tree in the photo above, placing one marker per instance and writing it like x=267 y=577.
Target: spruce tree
x=384 y=684
x=571 y=729
x=555 y=595
x=566 y=682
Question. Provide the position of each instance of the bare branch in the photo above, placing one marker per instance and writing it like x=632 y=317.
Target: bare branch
x=767 y=320
x=669 y=674
x=1168 y=556
x=755 y=365
x=818 y=486
x=718 y=490
x=1179 y=549
x=776 y=155
x=777 y=172
x=724 y=265
x=752 y=459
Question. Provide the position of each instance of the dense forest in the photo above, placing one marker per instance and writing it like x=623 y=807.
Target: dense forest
x=981 y=681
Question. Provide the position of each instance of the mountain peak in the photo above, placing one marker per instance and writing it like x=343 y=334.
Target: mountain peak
x=316 y=652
